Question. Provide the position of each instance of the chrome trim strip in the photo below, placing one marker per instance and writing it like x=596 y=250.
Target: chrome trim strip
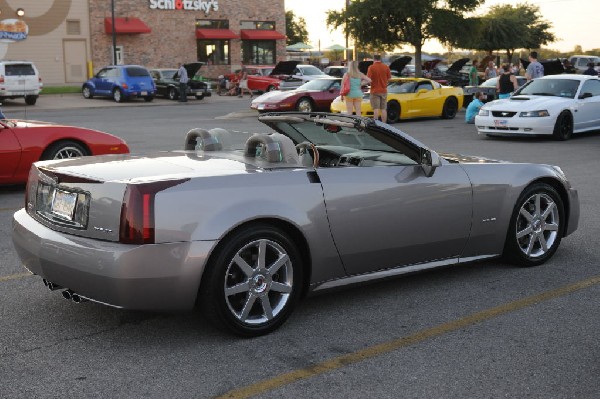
x=362 y=278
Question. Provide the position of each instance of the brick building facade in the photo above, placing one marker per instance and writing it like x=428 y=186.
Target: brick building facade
x=68 y=39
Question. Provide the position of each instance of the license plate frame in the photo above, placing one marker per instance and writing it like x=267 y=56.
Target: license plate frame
x=63 y=204
x=144 y=93
x=500 y=122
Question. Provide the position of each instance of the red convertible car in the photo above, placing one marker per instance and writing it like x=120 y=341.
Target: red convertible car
x=25 y=142
x=314 y=95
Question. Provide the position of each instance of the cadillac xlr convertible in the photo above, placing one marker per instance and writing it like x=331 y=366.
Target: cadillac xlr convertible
x=316 y=202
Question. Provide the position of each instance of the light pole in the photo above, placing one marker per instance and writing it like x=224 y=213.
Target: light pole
x=114 y=32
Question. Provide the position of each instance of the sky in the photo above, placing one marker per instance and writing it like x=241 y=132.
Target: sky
x=574 y=22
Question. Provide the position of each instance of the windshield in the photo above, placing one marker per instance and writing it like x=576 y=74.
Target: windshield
x=311 y=70
x=550 y=87
x=321 y=84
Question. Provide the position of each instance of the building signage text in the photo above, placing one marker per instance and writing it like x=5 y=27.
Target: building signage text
x=189 y=5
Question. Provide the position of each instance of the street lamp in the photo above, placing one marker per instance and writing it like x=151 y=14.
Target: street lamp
x=114 y=32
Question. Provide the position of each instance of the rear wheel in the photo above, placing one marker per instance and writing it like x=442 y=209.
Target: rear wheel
x=64 y=149
x=536 y=226
x=304 y=105
x=199 y=96
x=118 y=95
x=563 y=128
x=450 y=108
x=172 y=93
x=148 y=98
x=253 y=282
x=393 y=112
x=31 y=100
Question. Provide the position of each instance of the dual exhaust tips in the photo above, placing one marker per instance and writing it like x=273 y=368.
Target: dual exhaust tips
x=67 y=294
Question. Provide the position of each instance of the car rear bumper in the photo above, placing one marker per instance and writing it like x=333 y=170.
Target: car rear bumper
x=144 y=277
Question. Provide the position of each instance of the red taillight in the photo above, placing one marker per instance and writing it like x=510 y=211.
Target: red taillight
x=1 y=78
x=124 y=85
x=137 y=211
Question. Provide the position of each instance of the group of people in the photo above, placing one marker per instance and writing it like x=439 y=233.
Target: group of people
x=377 y=76
x=505 y=85
x=236 y=86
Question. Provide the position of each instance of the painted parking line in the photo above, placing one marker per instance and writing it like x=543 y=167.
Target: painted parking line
x=390 y=346
x=14 y=276
x=9 y=209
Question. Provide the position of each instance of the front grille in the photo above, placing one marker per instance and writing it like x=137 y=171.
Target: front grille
x=502 y=128
x=503 y=114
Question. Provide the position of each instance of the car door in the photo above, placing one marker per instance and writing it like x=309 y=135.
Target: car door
x=10 y=153
x=324 y=98
x=102 y=83
x=388 y=216
x=588 y=111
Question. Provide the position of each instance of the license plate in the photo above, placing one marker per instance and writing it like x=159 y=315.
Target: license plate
x=261 y=106
x=63 y=204
x=500 y=122
x=144 y=93
x=21 y=82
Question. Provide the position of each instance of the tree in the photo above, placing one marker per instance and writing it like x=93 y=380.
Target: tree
x=386 y=24
x=295 y=28
x=508 y=28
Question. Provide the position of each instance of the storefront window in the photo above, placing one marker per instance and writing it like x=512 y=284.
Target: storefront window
x=213 y=52
x=258 y=52
x=264 y=25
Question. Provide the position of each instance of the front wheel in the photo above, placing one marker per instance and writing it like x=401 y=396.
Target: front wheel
x=563 y=128
x=393 y=112
x=253 y=282
x=64 y=149
x=536 y=226
x=450 y=108
x=87 y=92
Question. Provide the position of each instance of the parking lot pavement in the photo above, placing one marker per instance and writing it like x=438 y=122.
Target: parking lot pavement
x=76 y=100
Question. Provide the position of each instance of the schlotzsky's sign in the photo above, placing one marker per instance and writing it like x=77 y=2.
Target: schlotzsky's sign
x=190 y=5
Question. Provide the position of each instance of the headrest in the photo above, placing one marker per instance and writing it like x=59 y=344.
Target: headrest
x=274 y=147
x=216 y=139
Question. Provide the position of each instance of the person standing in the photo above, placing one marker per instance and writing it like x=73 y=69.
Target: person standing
x=507 y=83
x=534 y=69
x=490 y=71
x=183 y=83
x=473 y=74
x=354 y=97
x=380 y=74
x=474 y=107
x=244 y=82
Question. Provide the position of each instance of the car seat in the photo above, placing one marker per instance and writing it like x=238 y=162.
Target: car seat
x=274 y=147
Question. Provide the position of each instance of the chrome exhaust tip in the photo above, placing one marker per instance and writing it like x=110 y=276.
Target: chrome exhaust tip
x=77 y=299
x=67 y=294
x=51 y=286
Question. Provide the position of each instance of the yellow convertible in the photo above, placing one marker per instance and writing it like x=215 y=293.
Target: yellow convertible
x=413 y=98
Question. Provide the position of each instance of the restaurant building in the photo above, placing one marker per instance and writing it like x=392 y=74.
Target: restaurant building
x=69 y=39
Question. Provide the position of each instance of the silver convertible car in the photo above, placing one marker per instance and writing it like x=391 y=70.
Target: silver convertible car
x=319 y=201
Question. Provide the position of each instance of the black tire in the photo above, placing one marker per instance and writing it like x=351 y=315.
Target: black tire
x=118 y=96
x=467 y=100
x=199 y=96
x=270 y=294
x=149 y=99
x=87 y=92
x=270 y=88
x=563 y=128
x=393 y=111
x=305 y=104
x=532 y=238
x=31 y=100
x=172 y=94
x=64 y=149
x=450 y=108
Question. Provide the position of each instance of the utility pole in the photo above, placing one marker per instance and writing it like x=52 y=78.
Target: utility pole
x=114 y=32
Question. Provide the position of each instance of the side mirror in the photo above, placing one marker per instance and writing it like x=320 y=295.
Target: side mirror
x=585 y=95
x=430 y=161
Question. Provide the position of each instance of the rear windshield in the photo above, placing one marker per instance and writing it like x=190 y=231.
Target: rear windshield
x=137 y=71
x=19 y=69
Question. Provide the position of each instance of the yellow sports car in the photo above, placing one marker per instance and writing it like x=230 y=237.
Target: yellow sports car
x=413 y=98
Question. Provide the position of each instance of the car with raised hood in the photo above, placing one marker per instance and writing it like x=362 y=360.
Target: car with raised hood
x=121 y=83
x=315 y=95
x=293 y=74
x=167 y=82
x=400 y=66
x=409 y=98
x=551 y=67
x=556 y=105
x=24 y=142
x=317 y=201
x=260 y=78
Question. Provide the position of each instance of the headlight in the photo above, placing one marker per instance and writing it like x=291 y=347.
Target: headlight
x=534 y=114
x=484 y=112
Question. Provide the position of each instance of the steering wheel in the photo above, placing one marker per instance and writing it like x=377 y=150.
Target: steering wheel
x=303 y=147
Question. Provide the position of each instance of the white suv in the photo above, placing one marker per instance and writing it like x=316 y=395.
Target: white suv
x=20 y=79
x=580 y=62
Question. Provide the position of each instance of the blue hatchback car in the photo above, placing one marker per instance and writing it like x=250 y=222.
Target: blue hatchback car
x=121 y=82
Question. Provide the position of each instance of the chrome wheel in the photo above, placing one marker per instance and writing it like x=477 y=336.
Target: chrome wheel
x=87 y=92
x=68 y=152
x=117 y=95
x=63 y=150
x=259 y=281
x=304 y=105
x=537 y=225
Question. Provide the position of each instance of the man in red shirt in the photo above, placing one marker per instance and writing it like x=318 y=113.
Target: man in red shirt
x=379 y=74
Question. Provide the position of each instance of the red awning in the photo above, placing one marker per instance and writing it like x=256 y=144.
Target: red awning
x=216 y=34
x=261 y=34
x=126 y=25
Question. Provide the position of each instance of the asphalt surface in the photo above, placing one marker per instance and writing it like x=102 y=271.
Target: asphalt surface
x=483 y=330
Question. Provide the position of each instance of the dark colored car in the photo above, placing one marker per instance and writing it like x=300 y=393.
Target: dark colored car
x=121 y=82
x=551 y=67
x=451 y=75
x=397 y=67
x=167 y=82
x=488 y=88
x=314 y=95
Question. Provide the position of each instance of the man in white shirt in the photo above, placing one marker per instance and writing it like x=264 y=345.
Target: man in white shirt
x=183 y=82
